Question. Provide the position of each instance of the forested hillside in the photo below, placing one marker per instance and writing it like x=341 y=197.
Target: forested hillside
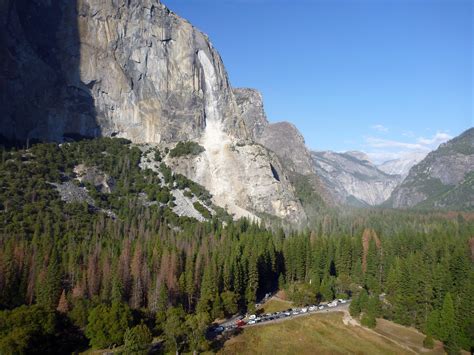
x=120 y=267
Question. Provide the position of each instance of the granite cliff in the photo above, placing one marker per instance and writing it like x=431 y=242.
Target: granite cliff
x=284 y=139
x=134 y=69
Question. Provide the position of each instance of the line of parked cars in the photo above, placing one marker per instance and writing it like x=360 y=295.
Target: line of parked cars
x=254 y=319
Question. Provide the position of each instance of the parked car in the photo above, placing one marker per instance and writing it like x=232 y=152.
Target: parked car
x=342 y=300
x=252 y=316
x=312 y=308
x=321 y=307
x=252 y=321
x=304 y=310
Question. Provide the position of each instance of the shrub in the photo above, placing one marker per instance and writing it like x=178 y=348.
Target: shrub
x=167 y=173
x=202 y=210
x=157 y=155
x=368 y=320
x=428 y=342
x=186 y=148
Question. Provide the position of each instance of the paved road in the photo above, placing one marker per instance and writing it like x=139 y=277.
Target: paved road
x=339 y=308
x=228 y=324
x=230 y=321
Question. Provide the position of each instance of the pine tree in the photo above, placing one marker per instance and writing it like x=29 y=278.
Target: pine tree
x=433 y=325
x=161 y=307
x=448 y=329
x=229 y=301
x=371 y=311
x=196 y=325
x=175 y=329
x=137 y=340
x=326 y=289
x=354 y=307
x=217 y=308
x=48 y=291
x=252 y=283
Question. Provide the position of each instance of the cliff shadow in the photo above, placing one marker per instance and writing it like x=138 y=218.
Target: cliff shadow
x=42 y=97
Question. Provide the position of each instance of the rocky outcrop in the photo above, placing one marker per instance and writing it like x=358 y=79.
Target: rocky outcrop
x=71 y=193
x=247 y=179
x=94 y=176
x=444 y=179
x=284 y=139
x=353 y=181
x=250 y=106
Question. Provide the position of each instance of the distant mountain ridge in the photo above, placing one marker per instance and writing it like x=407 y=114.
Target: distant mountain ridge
x=444 y=179
x=402 y=166
x=352 y=179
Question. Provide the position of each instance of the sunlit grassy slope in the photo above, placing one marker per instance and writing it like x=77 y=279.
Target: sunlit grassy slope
x=316 y=334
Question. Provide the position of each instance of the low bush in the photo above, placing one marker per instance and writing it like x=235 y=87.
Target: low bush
x=186 y=148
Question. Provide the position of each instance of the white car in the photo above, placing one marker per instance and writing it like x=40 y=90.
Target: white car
x=342 y=300
x=295 y=313
x=251 y=322
x=252 y=317
x=312 y=308
x=304 y=310
x=321 y=307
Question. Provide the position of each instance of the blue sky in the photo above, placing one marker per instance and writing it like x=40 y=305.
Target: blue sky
x=387 y=77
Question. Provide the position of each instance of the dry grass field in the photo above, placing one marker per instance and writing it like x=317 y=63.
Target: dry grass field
x=316 y=334
x=409 y=337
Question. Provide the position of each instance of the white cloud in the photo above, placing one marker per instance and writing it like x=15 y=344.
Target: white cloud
x=380 y=149
x=387 y=143
x=437 y=139
x=380 y=156
x=380 y=128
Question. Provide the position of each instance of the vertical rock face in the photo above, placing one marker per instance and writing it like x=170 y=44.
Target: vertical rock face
x=134 y=69
x=127 y=68
x=283 y=138
x=250 y=105
x=41 y=92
